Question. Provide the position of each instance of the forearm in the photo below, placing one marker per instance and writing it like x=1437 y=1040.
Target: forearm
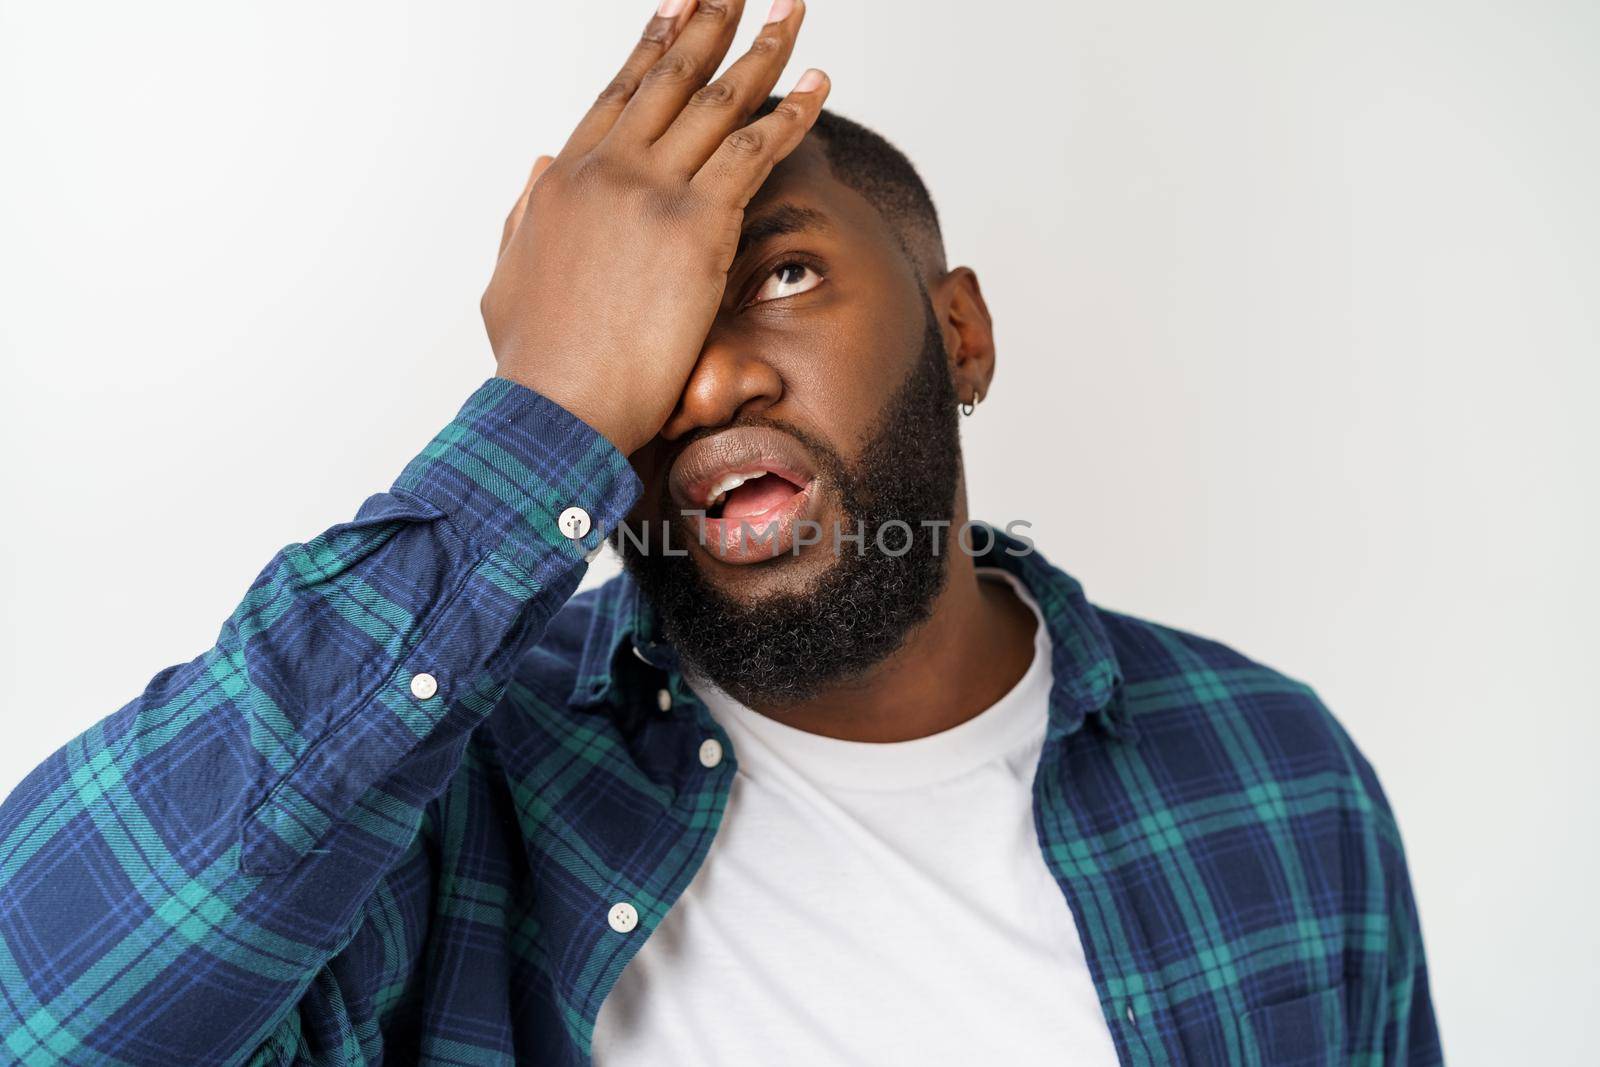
x=172 y=879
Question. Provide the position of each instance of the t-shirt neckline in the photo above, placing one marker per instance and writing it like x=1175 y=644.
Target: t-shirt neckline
x=1006 y=724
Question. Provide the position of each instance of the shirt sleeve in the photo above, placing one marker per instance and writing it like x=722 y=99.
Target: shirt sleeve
x=172 y=879
x=1403 y=1022
x=1411 y=1033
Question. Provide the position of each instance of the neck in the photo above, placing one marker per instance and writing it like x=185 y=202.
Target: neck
x=975 y=646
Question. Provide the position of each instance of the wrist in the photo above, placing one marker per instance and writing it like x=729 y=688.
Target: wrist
x=600 y=414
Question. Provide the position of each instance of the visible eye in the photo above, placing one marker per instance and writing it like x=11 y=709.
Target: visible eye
x=787 y=279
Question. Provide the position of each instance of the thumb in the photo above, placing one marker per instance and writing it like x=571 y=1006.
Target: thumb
x=520 y=208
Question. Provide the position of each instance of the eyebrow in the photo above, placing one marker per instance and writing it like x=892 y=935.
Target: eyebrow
x=783 y=219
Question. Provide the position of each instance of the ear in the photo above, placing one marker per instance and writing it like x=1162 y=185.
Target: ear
x=968 y=332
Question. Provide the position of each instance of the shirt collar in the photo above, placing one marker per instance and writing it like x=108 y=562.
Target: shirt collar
x=624 y=634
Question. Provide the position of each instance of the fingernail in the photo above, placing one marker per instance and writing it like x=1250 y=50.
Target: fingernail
x=810 y=80
x=669 y=8
x=780 y=10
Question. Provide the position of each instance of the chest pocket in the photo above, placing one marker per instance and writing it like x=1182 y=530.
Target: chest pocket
x=1306 y=1031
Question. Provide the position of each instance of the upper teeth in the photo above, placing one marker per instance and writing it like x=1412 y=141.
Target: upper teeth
x=727 y=483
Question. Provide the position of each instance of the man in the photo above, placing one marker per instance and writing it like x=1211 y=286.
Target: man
x=832 y=774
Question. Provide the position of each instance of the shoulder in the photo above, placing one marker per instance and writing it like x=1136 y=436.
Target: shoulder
x=1204 y=705
x=1155 y=658
x=1231 y=747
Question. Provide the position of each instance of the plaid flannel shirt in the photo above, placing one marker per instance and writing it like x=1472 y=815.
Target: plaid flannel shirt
x=284 y=851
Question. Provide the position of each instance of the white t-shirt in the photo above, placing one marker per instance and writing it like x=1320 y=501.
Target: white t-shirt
x=869 y=904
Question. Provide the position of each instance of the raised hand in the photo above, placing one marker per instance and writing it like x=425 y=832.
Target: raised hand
x=614 y=260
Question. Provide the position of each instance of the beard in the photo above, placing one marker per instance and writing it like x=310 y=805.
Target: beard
x=788 y=647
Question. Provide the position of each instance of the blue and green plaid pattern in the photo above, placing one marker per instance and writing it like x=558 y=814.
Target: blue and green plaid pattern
x=278 y=854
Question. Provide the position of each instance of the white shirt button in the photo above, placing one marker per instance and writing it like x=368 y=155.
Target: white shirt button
x=623 y=918
x=424 y=685
x=664 y=700
x=710 y=752
x=574 y=522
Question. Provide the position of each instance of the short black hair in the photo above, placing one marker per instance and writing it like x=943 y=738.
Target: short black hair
x=865 y=161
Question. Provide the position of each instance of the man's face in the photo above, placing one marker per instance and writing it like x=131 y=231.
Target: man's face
x=825 y=367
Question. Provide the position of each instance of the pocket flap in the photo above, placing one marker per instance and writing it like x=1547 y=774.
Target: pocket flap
x=1304 y=1031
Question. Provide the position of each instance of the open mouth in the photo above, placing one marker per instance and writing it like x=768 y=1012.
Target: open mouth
x=749 y=496
x=744 y=491
x=755 y=524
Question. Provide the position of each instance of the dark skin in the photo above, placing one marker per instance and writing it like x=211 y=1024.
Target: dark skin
x=820 y=349
x=825 y=359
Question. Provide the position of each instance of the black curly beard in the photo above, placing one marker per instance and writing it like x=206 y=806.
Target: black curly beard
x=788 y=647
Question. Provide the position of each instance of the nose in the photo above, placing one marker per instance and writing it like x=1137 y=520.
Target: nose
x=727 y=381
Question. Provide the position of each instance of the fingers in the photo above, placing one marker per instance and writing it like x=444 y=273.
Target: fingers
x=722 y=106
x=664 y=28
x=520 y=208
x=684 y=68
x=746 y=156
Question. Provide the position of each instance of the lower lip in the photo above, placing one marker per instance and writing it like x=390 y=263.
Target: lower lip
x=755 y=538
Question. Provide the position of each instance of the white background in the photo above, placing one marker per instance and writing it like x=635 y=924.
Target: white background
x=1296 y=307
